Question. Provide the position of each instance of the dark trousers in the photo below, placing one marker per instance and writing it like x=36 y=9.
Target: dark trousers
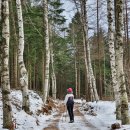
x=70 y=111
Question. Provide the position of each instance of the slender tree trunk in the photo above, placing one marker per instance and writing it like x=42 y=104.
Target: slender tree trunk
x=53 y=75
x=15 y=46
x=119 y=61
x=127 y=33
x=127 y=46
x=30 y=76
x=43 y=69
x=34 y=72
x=92 y=98
x=76 y=77
x=104 y=72
x=99 y=58
x=23 y=71
x=76 y=69
x=7 y=110
x=79 y=80
x=87 y=46
x=112 y=57
x=47 y=50
x=36 y=77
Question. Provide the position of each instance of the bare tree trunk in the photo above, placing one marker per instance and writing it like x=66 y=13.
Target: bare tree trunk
x=23 y=71
x=99 y=63
x=43 y=69
x=76 y=77
x=7 y=110
x=119 y=61
x=47 y=50
x=15 y=46
x=85 y=33
x=53 y=75
x=35 y=72
x=92 y=98
x=76 y=69
x=127 y=33
x=127 y=46
x=112 y=57
x=30 y=77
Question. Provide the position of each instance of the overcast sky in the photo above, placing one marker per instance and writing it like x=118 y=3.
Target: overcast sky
x=92 y=13
x=69 y=10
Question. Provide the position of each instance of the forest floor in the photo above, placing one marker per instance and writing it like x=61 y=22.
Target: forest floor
x=61 y=120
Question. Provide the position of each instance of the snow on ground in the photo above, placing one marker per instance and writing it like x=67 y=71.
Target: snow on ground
x=78 y=124
x=23 y=120
x=104 y=109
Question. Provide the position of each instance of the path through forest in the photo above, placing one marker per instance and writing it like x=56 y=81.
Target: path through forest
x=60 y=121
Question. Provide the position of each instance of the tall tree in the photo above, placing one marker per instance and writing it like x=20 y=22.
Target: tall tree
x=110 y=11
x=7 y=110
x=99 y=58
x=23 y=71
x=47 y=51
x=53 y=75
x=55 y=18
x=87 y=50
x=14 y=66
x=119 y=60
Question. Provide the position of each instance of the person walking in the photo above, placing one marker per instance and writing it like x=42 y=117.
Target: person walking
x=69 y=102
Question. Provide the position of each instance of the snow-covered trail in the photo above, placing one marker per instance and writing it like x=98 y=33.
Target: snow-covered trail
x=80 y=122
x=60 y=122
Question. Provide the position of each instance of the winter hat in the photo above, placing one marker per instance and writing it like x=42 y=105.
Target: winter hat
x=69 y=90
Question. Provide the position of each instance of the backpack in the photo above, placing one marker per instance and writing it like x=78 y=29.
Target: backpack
x=70 y=100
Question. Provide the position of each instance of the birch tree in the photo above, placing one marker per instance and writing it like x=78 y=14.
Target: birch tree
x=47 y=52
x=119 y=60
x=53 y=75
x=92 y=82
x=7 y=110
x=110 y=12
x=23 y=71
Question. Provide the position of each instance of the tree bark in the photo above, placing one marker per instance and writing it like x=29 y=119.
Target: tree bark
x=23 y=71
x=92 y=81
x=112 y=57
x=7 y=109
x=119 y=61
x=15 y=46
x=53 y=75
x=47 y=50
x=99 y=58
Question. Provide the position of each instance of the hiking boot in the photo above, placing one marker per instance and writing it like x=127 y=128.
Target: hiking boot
x=71 y=121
